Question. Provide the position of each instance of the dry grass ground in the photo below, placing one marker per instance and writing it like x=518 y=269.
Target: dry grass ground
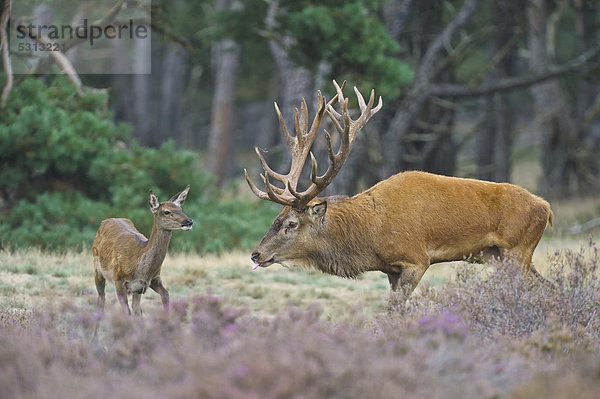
x=34 y=279
x=489 y=335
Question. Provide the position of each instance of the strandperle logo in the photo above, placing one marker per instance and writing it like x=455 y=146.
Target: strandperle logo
x=86 y=31
x=89 y=37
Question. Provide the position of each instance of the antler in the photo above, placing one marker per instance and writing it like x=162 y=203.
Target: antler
x=300 y=145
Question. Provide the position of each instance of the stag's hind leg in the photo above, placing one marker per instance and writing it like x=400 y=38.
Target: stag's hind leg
x=523 y=250
x=522 y=232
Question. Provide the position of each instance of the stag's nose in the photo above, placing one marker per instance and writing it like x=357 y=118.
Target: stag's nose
x=187 y=222
x=255 y=256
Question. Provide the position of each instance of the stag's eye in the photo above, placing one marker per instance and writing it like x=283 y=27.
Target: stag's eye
x=167 y=213
x=291 y=225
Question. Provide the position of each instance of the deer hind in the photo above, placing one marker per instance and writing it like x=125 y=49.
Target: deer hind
x=133 y=262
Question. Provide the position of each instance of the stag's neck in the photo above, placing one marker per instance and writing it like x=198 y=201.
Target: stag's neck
x=155 y=252
x=353 y=228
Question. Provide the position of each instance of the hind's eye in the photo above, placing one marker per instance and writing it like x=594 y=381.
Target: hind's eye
x=292 y=225
x=167 y=213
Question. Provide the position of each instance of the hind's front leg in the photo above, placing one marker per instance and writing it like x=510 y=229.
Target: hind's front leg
x=156 y=285
x=135 y=303
x=100 y=285
x=122 y=295
x=136 y=288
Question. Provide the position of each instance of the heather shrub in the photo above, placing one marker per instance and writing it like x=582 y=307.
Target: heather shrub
x=14 y=317
x=205 y=349
x=547 y=316
x=579 y=379
x=507 y=334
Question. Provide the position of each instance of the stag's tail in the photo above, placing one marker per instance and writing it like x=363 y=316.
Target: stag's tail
x=551 y=218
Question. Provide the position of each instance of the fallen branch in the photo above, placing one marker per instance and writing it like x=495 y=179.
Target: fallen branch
x=419 y=93
x=579 y=64
x=66 y=45
x=166 y=32
x=6 y=64
x=587 y=226
x=61 y=60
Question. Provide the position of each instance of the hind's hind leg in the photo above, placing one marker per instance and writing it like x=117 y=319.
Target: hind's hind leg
x=100 y=285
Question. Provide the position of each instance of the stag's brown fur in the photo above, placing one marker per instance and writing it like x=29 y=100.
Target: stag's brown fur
x=133 y=262
x=405 y=223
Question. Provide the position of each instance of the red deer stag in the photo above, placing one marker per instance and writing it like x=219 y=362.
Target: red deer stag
x=133 y=262
x=399 y=226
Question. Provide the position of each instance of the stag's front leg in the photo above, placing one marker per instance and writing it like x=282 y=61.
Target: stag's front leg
x=122 y=295
x=407 y=278
x=393 y=279
x=157 y=285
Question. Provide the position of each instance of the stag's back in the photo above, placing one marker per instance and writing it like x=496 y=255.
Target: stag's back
x=438 y=211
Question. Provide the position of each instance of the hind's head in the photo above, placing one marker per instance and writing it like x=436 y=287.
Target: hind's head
x=168 y=215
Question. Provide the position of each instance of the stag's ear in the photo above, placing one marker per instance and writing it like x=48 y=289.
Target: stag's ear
x=179 y=198
x=317 y=211
x=153 y=201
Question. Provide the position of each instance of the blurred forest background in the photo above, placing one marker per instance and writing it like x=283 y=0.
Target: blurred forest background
x=470 y=88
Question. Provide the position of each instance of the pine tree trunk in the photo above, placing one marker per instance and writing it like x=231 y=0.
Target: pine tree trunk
x=295 y=82
x=556 y=126
x=227 y=59
x=494 y=140
x=172 y=86
x=219 y=142
x=143 y=117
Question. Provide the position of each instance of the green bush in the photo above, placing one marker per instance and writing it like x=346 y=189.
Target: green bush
x=225 y=225
x=59 y=220
x=65 y=166
x=49 y=135
x=55 y=220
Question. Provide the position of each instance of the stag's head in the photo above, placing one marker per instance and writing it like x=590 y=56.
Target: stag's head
x=290 y=238
x=168 y=215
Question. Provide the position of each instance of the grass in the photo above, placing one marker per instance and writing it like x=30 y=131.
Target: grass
x=486 y=332
x=467 y=331
x=37 y=277
x=33 y=278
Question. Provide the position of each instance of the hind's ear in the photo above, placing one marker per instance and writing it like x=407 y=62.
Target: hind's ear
x=153 y=201
x=179 y=198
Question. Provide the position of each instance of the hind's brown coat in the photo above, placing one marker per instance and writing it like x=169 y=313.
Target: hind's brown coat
x=126 y=257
